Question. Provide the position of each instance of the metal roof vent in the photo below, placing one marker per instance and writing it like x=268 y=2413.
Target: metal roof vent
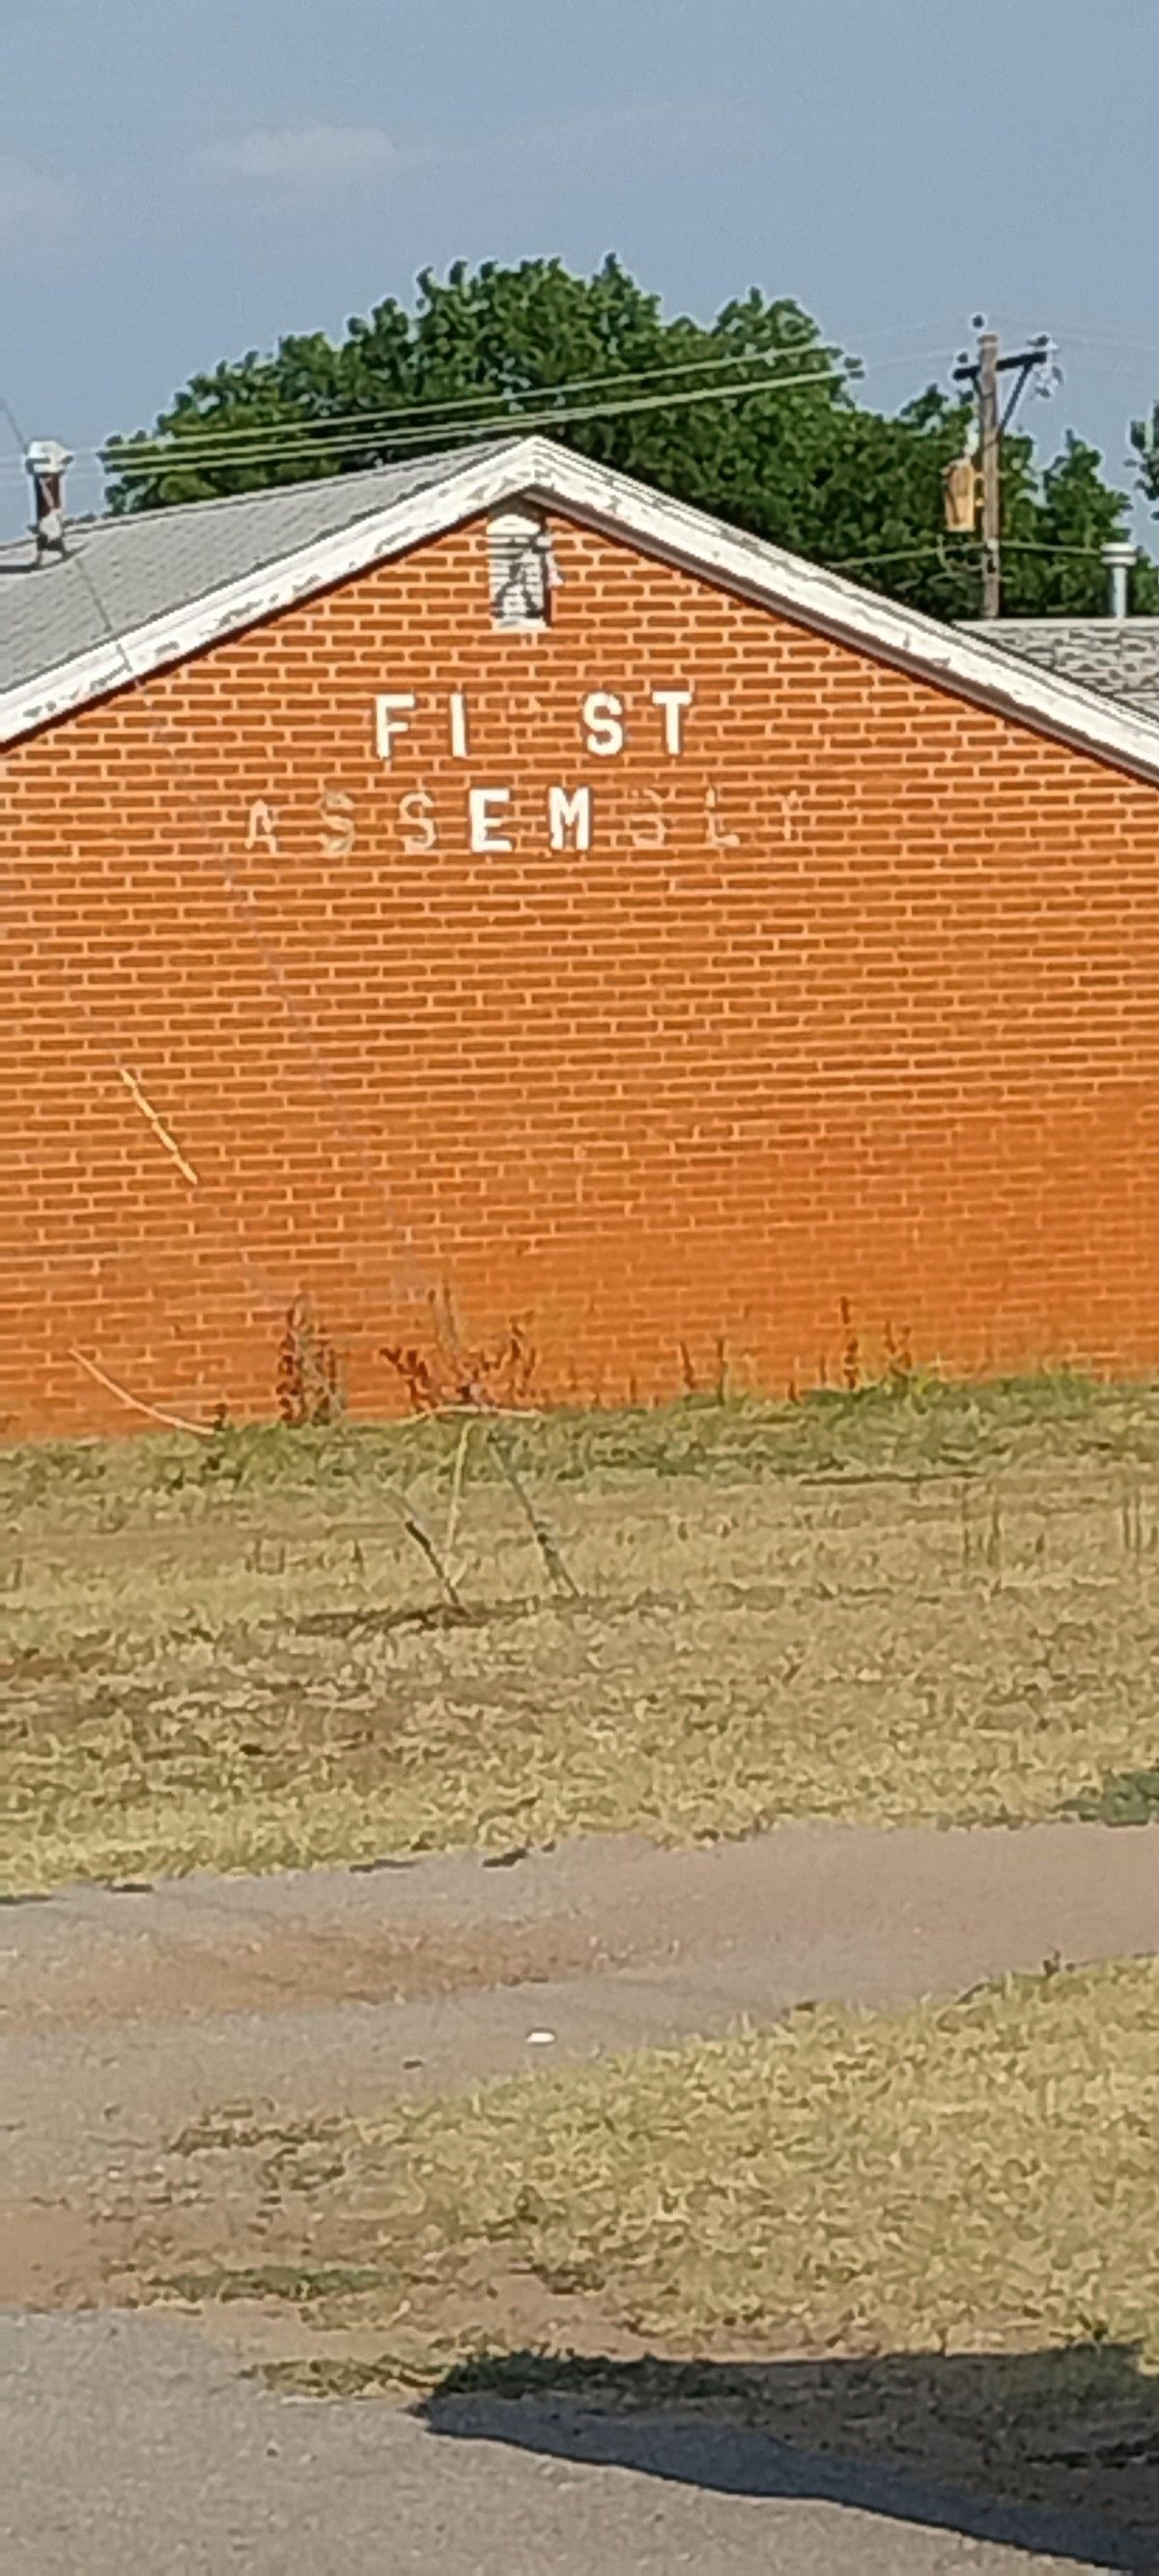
x=523 y=571
x=1118 y=559
x=47 y=462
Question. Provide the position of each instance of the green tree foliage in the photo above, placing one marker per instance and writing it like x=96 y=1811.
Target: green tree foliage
x=798 y=461
x=1055 y=533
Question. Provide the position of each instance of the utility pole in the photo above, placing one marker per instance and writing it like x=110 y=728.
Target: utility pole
x=983 y=372
x=990 y=459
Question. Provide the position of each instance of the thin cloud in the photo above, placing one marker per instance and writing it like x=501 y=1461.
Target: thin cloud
x=645 y=134
x=305 y=155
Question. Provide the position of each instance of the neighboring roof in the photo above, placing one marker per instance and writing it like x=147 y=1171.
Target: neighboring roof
x=215 y=568
x=1118 y=656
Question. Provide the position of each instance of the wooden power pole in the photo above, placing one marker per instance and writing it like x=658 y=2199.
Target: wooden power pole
x=990 y=461
x=983 y=373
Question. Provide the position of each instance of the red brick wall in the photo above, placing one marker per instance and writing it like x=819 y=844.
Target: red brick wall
x=879 y=1025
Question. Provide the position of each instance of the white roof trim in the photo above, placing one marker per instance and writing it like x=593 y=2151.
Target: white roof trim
x=951 y=657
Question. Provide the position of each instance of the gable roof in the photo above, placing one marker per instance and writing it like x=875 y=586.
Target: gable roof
x=147 y=590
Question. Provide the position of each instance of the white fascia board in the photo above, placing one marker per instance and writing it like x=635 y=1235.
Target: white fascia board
x=949 y=657
x=236 y=605
x=955 y=660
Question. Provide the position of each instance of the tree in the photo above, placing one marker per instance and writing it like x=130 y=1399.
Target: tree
x=794 y=457
x=1054 y=564
x=468 y=359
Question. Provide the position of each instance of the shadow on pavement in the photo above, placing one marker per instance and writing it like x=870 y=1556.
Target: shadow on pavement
x=1054 y=2452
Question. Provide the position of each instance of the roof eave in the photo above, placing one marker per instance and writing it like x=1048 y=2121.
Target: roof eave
x=708 y=548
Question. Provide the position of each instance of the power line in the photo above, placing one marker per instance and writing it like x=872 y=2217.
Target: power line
x=367 y=427
x=164 y=439
x=295 y=450
x=294 y=446
x=294 y=440
x=214 y=448
x=1109 y=340
x=626 y=376
x=933 y=546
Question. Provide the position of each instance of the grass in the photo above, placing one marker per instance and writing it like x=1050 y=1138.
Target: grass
x=918 y=1427
x=1130 y=1798
x=956 y=2198
x=299 y=2283
x=935 y=1605
x=852 y=2180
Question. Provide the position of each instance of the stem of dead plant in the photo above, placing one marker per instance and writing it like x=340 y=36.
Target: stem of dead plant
x=418 y=1531
x=545 y=1541
x=449 y=1534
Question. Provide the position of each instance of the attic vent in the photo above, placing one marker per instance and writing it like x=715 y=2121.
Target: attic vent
x=522 y=568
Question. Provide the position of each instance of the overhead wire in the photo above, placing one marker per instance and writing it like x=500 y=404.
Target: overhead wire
x=142 y=443
x=297 y=447
x=628 y=375
x=300 y=439
x=1010 y=545
x=469 y=402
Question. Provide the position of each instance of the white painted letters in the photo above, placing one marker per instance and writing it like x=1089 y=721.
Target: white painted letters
x=650 y=831
x=603 y=718
x=484 y=805
x=262 y=829
x=417 y=812
x=715 y=834
x=460 y=740
x=570 y=814
x=389 y=719
x=674 y=702
x=336 y=809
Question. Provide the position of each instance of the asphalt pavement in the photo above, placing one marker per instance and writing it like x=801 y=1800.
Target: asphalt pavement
x=127 y=2448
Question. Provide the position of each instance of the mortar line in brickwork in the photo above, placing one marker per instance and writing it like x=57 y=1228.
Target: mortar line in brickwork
x=411 y=1276
x=259 y=1290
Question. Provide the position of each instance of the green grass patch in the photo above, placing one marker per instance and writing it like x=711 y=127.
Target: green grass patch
x=919 y=1426
x=1130 y=1798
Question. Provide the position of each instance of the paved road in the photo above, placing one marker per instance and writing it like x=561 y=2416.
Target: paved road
x=125 y=2444
x=115 y=2039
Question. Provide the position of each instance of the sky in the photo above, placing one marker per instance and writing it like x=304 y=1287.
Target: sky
x=181 y=180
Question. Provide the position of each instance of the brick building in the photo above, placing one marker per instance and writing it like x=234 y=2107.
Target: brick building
x=519 y=924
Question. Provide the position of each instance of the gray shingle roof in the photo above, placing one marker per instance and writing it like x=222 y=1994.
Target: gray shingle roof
x=1118 y=656
x=146 y=565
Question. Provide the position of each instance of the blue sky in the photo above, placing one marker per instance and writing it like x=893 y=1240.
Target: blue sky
x=184 y=179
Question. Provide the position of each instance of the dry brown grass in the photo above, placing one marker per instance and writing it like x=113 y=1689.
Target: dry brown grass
x=973 y=2179
x=900 y=1609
